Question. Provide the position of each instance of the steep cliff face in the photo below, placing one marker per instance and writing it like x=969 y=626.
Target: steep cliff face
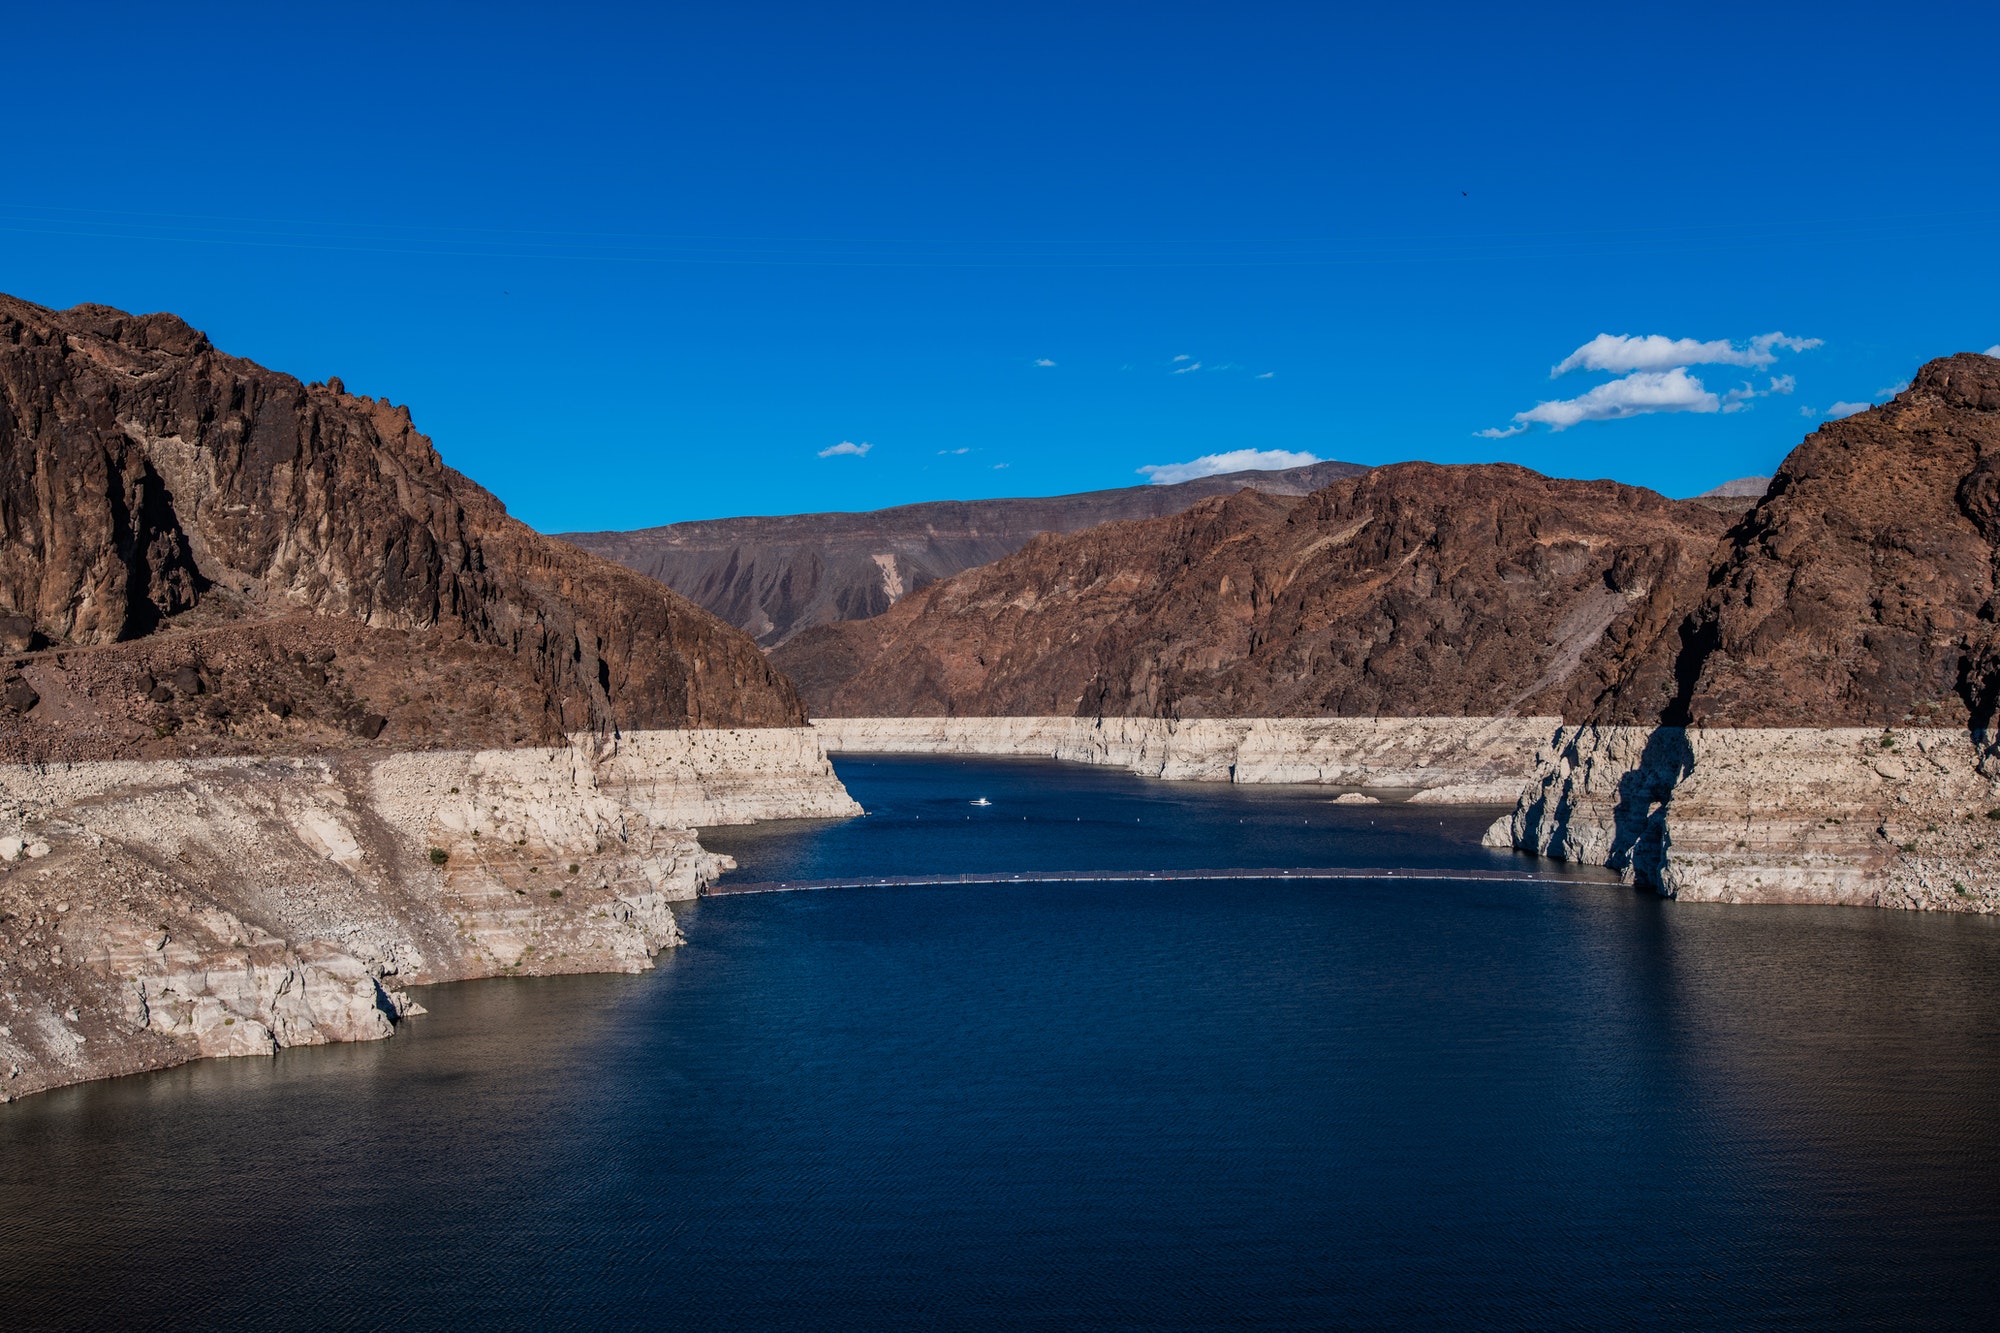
x=1413 y=590
x=1861 y=591
x=776 y=577
x=150 y=484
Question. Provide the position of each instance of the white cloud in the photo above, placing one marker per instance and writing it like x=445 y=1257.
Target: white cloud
x=1183 y=357
x=1893 y=389
x=1235 y=460
x=847 y=447
x=943 y=452
x=1653 y=377
x=1192 y=365
x=1994 y=350
x=1043 y=361
x=1839 y=410
x=1635 y=395
x=998 y=466
x=1619 y=353
x=1266 y=375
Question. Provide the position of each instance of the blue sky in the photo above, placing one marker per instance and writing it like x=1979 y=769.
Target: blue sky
x=630 y=266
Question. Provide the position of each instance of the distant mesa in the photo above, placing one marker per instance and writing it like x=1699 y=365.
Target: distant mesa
x=776 y=577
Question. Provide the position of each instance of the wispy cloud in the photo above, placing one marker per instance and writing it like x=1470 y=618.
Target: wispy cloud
x=1653 y=377
x=1043 y=361
x=1190 y=366
x=1839 y=410
x=1266 y=375
x=943 y=452
x=1893 y=389
x=848 y=448
x=1994 y=350
x=1619 y=353
x=998 y=466
x=1183 y=357
x=1235 y=460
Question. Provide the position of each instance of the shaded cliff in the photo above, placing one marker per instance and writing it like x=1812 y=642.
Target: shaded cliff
x=775 y=577
x=1411 y=590
x=198 y=555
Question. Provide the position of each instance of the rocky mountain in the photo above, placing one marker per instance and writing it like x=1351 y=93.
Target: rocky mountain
x=1410 y=590
x=200 y=555
x=1861 y=591
x=775 y=577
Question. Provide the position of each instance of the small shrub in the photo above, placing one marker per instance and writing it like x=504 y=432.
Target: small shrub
x=1888 y=742
x=454 y=791
x=555 y=893
x=1994 y=815
x=229 y=1022
x=1907 y=847
x=572 y=867
x=534 y=870
x=439 y=856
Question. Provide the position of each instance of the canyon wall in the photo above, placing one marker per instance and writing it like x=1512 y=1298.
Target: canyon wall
x=156 y=911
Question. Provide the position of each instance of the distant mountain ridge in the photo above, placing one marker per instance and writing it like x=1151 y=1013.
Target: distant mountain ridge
x=774 y=577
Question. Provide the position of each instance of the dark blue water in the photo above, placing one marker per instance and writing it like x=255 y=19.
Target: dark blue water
x=1173 y=1105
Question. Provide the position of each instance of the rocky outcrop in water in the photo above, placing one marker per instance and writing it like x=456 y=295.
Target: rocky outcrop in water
x=775 y=577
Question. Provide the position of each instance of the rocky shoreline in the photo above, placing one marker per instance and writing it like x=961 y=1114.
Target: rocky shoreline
x=153 y=912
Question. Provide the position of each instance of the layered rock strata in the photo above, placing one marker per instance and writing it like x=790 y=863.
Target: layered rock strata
x=1426 y=759
x=155 y=911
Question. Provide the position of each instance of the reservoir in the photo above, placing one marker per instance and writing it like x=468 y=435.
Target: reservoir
x=1183 y=1104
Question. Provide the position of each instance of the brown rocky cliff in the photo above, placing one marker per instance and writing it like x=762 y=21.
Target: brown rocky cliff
x=1411 y=590
x=1861 y=591
x=150 y=482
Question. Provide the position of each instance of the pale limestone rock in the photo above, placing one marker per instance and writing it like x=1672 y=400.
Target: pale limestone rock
x=1442 y=759
x=1817 y=815
x=235 y=906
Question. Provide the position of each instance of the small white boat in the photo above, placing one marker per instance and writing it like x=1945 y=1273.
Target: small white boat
x=982 y=801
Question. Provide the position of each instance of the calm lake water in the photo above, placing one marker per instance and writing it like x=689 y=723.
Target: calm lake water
x=1176 y=1105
